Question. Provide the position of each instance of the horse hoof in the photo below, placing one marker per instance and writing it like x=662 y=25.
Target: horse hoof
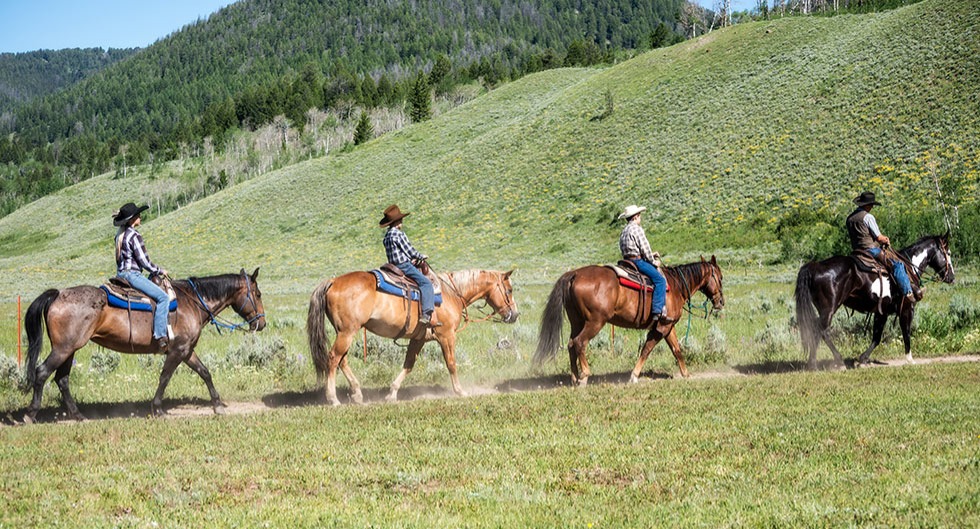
x=391 y=398
x=634 y=379
x=29 y=419
x=909 y=360
x=838 y=367
x=357 y=399
x=219 y=410
x=78 y=417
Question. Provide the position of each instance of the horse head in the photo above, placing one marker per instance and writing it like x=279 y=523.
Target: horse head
x=932 y=251
x=500 y=296
x=711 y=286
x=248 y=301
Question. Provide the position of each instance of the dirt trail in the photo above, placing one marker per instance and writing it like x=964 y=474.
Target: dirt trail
x=201 y=407
x=409 y=394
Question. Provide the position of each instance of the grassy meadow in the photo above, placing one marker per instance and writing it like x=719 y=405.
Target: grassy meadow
x=725 y=138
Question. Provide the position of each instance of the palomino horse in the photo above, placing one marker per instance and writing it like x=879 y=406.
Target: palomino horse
x=352 y=301
x=79 y=314
x=822 y=287
x=592 y=296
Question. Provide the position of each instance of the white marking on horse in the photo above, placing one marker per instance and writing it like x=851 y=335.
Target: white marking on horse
x=918 y=258
x=881 y=288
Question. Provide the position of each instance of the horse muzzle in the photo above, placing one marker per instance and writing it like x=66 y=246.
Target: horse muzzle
x=511 y=316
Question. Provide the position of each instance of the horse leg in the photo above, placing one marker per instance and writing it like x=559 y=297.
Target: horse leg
x=448 y=344
x=355 y=385
x=61 y=378
x=905 y=322
x=577 y=347
x=337 y=354
x=170 y=364
x=675 y=347
x=195 y=363
x=824 y=323
x=53 y=362
x=838 y=360
x=414 y=348
x=877 y=330
x=653 y=338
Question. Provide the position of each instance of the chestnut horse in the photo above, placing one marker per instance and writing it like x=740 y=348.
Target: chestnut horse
x=592 y=296
x=822 y=287
x=352 y=301
x=79 y=314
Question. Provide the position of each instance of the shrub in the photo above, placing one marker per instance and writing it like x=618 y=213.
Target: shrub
x=10 y=375
x=104 y=361
x=255 y=351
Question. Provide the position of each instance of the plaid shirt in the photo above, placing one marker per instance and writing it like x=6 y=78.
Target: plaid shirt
x=397 y=247
x=131 y=255
x=633 y=242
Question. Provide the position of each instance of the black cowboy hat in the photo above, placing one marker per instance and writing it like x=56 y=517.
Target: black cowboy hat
x=392 y=216
x=866 y=198
x=128 y=211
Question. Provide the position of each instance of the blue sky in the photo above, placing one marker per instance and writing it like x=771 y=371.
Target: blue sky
x=27 y=25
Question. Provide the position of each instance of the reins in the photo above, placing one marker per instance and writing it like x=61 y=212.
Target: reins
x=218 y=322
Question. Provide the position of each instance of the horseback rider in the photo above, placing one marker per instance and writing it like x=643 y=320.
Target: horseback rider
x=862 y=228
x=636 y=249
x=402 y=254
x=131 y=259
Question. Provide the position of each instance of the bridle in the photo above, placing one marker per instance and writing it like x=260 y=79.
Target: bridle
x=486 y=300
x=217 y=322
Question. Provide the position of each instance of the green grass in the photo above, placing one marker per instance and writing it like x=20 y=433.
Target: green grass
x=880 y=447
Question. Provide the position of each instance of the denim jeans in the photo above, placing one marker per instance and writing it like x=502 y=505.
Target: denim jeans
x=425 y=286
x=157 y=294
x=659 y=284
x=898 y=270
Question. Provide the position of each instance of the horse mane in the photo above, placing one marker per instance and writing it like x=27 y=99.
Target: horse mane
x=211 y=287
x=462 y=278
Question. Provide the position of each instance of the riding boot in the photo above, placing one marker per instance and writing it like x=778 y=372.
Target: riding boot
x=162 y=344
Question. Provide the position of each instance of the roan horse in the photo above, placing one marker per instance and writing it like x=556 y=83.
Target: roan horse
x=352 y=301
x=592 y=296
x=79 y=314
x=822 y=287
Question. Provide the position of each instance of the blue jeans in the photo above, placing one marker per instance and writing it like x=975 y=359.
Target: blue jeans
x=425 y=286
x=898 y=270
x=659 y=284
x=157 y=294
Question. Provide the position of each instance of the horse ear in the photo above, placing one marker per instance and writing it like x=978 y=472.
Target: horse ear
x=702 y=259
x=946 y=235
x=255 y=274
x=507 y=274
x=713 y=260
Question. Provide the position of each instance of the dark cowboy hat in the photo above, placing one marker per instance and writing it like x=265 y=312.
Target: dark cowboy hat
x=128 y=211
x=392 y=216
x=866 y=198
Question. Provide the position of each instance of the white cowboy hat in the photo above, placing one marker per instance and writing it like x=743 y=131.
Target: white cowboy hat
x=632 y=210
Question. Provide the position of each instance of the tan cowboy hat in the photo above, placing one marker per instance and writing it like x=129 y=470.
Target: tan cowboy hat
x=865 y=199
x=128 y=211
x=631 y=211
x=392 y=216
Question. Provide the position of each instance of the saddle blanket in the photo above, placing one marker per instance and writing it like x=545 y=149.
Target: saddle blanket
x=389 y=288
x=141 y=304
x=631 y=280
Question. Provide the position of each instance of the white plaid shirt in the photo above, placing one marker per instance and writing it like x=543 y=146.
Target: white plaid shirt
x=397 y=247
x=633 y=242
x=131 y=256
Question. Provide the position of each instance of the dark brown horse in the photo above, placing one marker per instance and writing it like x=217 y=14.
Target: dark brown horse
x=79 y=314
x=822 y=287
x=352 y=301
x=592 y=296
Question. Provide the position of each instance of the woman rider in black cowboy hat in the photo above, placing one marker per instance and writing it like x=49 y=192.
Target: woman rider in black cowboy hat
x=131 y=259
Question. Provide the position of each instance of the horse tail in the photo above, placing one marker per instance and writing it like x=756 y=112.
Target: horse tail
x=806 y=313
x=316 y=329
x=33 y=323
x=553 y=319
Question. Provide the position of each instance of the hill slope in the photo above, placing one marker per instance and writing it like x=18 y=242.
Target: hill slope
x=721 y=137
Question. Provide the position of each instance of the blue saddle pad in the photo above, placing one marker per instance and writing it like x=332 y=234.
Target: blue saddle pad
x=120 y=303
x=388 y=288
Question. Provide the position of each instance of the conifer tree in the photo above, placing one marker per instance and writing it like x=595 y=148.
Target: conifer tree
x=364 y=130
x=420 y=99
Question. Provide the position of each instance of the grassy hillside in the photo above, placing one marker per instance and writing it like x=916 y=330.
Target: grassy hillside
x=723 y=137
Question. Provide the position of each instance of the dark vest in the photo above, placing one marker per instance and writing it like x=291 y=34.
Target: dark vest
x=857 y=230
